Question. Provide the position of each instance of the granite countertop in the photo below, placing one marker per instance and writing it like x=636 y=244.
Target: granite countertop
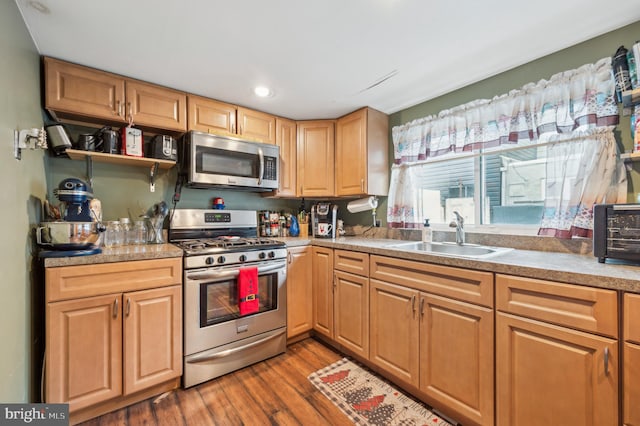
x=118 y=254
x=581 y=269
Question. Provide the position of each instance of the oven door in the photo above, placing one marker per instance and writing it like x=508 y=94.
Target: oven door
x=212 y=316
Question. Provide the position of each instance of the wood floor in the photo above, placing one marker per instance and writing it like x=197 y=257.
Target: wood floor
x=273 y=392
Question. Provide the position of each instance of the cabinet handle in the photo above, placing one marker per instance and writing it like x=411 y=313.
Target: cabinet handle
x=606 y=361
x=422 y=306
x=413 y=304
x=335 y=281
x=362 y=185
x=128 y=307
x=130 y=119
x=233 y=128
x=115 y=308
x=118 y=107
x=290 y=257
x=240 y=129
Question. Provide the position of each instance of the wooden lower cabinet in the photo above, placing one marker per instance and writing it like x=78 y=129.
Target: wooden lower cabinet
x=299 y=291
x=152 y=337
x=631 y=400
x=351 y=312
x=548 y=374
x=456 y=358
x=394 y=328
x=107 y=348
x=631 y=356
x=322 y=266
x=84 y=351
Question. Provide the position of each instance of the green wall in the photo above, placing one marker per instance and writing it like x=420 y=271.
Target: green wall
x=23 y=188
x=573 y=57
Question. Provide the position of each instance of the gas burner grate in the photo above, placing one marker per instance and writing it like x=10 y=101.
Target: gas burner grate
x=227 y=243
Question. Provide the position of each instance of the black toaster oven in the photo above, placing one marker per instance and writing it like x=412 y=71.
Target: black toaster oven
x=162 y=147
x=616 y=232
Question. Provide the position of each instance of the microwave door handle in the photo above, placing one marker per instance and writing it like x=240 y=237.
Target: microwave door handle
x=261 y=172
x=627 y=207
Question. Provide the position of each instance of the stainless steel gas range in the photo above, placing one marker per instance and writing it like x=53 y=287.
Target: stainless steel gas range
x=217 y=245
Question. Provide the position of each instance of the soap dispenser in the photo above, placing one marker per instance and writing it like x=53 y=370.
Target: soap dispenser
x=426 y=232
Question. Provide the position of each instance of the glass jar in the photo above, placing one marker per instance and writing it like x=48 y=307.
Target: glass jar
x=139 y=233
x=125 y=224
x=113 y=234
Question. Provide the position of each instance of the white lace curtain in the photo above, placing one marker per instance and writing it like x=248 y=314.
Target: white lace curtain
x=568 y=105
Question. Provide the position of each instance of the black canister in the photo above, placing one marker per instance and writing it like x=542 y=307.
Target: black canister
x=621 y=72
x=110 y=142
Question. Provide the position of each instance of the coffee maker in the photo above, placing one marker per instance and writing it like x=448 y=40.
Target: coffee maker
x=323 y=220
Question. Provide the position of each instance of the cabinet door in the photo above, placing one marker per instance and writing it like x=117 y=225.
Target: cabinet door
x=393 y=330
x=456 y=357
x=156 y=106
x=84 y=351
x=631 y=385
x=547 y=374
x=351 y=154
x=351 y=310
x=207 y=115
x=315 y=158
x=152 y=337
x=256 y=125
x=299 y=291
x=73 y=89
x=286 y=140
x=323 y=291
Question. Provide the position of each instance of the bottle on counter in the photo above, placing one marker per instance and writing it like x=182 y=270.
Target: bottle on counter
x=113 y=234
x=139 y=234
x=426 y=232
x=127 y=236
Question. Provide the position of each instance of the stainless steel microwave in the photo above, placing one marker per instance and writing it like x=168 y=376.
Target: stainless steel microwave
x=224 y=161
x=616 y=232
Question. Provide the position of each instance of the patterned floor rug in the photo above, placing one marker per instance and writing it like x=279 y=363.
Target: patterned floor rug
x=368 y=399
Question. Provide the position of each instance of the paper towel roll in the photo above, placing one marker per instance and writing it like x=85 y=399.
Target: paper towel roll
x=363 y=204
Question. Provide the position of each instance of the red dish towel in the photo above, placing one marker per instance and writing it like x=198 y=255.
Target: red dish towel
x=248 y=302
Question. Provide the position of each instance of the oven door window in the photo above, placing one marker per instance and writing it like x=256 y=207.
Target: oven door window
x=228 y=163
x=219 y=299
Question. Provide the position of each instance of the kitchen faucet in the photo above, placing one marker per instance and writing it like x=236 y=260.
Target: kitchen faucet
x=458 y=223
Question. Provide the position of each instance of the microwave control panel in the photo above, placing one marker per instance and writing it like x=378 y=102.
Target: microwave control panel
x=270 y=168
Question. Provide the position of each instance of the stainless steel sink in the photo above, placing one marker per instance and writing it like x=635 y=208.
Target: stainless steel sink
x=452 y=249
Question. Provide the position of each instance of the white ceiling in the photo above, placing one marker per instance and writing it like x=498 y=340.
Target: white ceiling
x=318 y=57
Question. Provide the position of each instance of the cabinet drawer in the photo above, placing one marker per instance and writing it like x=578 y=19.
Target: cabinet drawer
x=457 y=283
x=632 y=317
x=72 y=282
x=584 y=308
x=351 y=261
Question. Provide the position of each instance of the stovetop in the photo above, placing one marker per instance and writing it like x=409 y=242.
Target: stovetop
x=225 y=244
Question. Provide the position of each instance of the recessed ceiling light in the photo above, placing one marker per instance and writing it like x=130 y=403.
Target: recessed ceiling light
x=263 y=92
x=39 y=7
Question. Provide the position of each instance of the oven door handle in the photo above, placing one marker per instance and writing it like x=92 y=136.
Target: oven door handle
x=212 y=274
x=208 y=357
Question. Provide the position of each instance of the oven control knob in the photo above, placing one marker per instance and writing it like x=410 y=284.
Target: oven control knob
x=209 y=261
x=272 y=255
x=262 y=255
x=242 y=258
x=221 y=259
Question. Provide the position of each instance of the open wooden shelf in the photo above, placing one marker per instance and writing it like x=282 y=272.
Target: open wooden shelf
x=126 y=160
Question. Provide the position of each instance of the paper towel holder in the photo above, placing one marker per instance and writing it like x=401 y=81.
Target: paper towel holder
x=364 y=204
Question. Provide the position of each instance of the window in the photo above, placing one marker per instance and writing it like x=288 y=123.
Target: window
x=502 y=188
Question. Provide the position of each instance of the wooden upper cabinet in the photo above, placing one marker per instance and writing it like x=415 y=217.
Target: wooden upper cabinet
x=155 y=106
x=211 y=116
x=77 y=92
x=362 y=153
x=315 y=158
x=73 y=90
x=256 y=125
x=286 y=140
